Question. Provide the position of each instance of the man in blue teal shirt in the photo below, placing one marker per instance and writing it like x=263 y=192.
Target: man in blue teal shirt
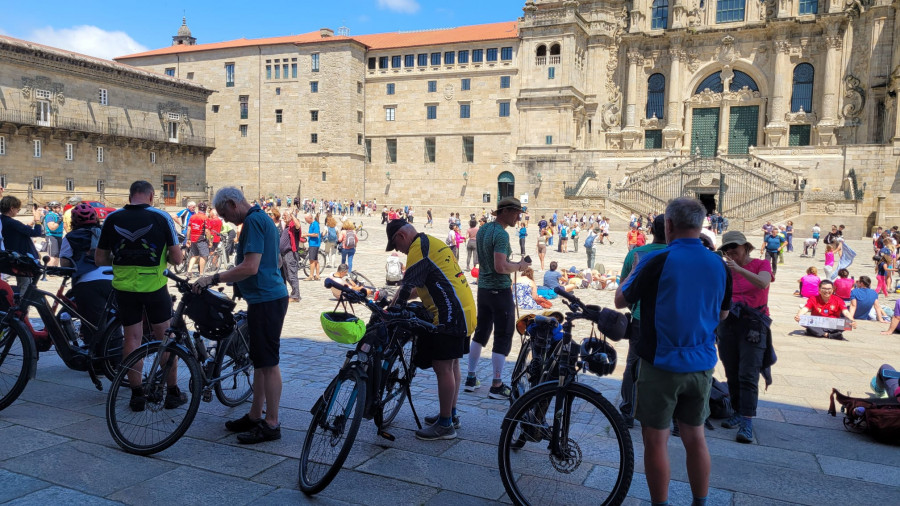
x=315 y=240
x=53 y=229
x=259 y=280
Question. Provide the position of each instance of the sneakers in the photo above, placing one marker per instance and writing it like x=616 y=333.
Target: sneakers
x=436 y=431
x=878 y=389
x=138 y=402
x=500 y=392
x=260 y=432
x=431 y=420
x=745 y=432
x=472 y=384
x=733 y=422
x=242 y=424
x=175 y=398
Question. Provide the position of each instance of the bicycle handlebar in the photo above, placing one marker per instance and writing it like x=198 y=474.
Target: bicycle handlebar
x=611 y=323
x=59 y=271
x=402 y=316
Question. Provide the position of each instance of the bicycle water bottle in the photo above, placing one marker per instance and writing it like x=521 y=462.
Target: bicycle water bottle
x=65 y=321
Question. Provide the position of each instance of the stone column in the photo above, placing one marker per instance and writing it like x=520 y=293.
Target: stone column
x=829 y=122
x=673 y=136
x=630 y=133
x=776 y=130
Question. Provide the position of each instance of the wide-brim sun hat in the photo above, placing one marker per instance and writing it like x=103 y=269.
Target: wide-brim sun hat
x=733 y=237
x=508 y=203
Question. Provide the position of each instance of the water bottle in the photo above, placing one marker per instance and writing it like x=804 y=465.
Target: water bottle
x=65 y=321
x=859 y=412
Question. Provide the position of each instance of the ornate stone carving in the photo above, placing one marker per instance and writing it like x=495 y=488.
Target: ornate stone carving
x=448 y=92
x=854 y=98
x=172 y=111
x=727 y=53
x=611 y=112
x=31 y=87
x=834 y=39
x=651 y=123
x=801 y=117
x=635 y=57
x=856 y=7
x=693 y=59
x=894 y=83
x=783 y=46
x=708 y=97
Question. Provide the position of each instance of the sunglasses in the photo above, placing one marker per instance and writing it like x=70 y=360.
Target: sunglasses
x=729 y=247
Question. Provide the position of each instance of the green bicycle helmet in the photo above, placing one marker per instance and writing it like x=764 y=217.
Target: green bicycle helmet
x=341 y=327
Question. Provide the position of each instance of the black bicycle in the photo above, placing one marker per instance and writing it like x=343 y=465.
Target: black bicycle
x=561 y=441
x=214 y=358
x=538 y=359
x=20 y=343
x=372 y=383
x=303 y=261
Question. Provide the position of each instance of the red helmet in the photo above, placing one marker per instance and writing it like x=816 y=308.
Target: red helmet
x=83 y=215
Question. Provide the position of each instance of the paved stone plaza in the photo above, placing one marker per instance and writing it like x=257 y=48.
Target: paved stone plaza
x=56 y=447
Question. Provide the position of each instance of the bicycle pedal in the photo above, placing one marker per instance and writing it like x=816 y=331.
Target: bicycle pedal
x=387 y=435
x=207 y=395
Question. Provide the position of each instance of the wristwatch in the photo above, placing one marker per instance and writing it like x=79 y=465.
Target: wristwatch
x=215 y=279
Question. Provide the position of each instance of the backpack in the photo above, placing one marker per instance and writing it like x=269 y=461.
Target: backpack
x=349 y=240
x=331 y=234
x=589 y=242
x=880 y=418
x=719 y=400
x=394 y=269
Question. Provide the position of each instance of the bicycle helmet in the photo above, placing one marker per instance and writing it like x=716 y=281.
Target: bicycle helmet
x=211 y=313
x=83 y=215
x=341 y=327
x=599 y=357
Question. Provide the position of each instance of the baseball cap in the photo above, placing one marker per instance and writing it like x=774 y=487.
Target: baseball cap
x=392 y=227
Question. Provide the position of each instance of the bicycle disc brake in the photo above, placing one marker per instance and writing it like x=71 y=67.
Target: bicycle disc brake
x=568 y=459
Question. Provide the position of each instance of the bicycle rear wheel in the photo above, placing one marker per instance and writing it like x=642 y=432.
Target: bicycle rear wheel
x=335 y=422
x=521 y=379
x=108 y=351
x=233 y=356
x=362 y=280
x=17 y=354
x=155 y=427
x=395 y=384
x=362 y=234
x=596 y=458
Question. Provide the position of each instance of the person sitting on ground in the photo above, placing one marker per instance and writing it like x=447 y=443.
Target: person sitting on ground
x=341 y=277
x=554 y=278
x=826 y=305
x=843 y=285
x=895 y=320
x=526 y=292
x=885 y=382
x=864 y=301
x=809 y=284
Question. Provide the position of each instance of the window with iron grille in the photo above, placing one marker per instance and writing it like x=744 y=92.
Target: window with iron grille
x=278 y=115
x=314 y=115
x=801 y=96
x=656 y=96
x=314 y=138
x=103 y=96
x=653 y=139
x=99 y=154
x=659 y=15
x=37 y=183
x=2 y=145
x=799 y=135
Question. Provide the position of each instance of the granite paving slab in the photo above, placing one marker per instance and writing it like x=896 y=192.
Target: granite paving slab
x=60 y=495
x=13 y=485
x=19 y=440
x=187 y=485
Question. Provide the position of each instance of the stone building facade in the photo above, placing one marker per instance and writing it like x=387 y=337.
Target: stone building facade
x=764 y=110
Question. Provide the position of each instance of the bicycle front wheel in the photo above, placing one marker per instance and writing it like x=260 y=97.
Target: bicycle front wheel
x=593 y=460
x=233 y=357
x=336 y=417
x=16 y=362
x=148 y=427
x=362 y=235
x=521 y=379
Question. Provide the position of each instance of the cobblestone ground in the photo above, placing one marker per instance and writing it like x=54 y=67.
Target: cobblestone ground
x=56 y=447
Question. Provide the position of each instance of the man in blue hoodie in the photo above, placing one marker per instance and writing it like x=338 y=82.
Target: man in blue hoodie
x=684 y=291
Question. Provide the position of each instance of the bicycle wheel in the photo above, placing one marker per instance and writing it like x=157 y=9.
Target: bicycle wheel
x=323 y=260
x=597 y=458
x=233 y=356
x=394 y=392
x=17 y=360
x=362 y=280
x=304 y=265
x=521 y=379
x=108 y=350
x=362 y=234
x=155 y=427
x=213 y=263
x=335 y=422
x=181 y=268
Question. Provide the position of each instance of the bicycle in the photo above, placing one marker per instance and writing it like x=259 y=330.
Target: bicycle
x=225 y=369
x=303 y=261
x=561 y=440
x=19 y=341
x=358 y=278
x=361 y=234
x=218 y=257
x=538 y=359
x=372 y=383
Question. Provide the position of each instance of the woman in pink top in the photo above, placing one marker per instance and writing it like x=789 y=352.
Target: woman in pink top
x=829 y=261
x=843 y=285
x=471 y=252
x=743 y=339
x=809 y=284
x=459 y=239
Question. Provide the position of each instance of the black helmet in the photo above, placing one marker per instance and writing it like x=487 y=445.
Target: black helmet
x=599 y=357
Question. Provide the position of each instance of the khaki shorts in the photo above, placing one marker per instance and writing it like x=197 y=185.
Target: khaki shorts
x=661 y=395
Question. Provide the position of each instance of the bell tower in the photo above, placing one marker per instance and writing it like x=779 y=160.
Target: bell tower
x=184 y=37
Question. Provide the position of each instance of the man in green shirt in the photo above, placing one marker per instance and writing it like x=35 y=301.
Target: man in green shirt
x=626 y=406
x=496 y=310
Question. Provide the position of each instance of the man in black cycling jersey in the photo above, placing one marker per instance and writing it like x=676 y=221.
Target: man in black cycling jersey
x=137 y=241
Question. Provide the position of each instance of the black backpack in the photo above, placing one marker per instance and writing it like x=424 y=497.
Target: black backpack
x=719 y=400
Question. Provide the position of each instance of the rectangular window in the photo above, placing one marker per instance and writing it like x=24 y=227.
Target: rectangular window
x=396 y=62
x=368 y=150
x=100 y=154
x=391 y=150
x=101 y=184
x=463 y=56
x=215 y=108
x=359 y=139
x=42 y=112
x=798 y=135
x=383 y=62
x=70 y=184
x=38 y=183
x=372 y=63
x=277 y=72
x=314 y=138
x=728 y=11
x=469 y=149
x=37 y=148
x=551 y=73
x=104 y=96
x=314 y=115
x=431 y=112
x=324 y=175
x=549 y=140
x=465 y=85
x=506 y=53
x=429 y=149
x=284 y=69
x=153 y=157
x=390 y=88
x=269 y=71
x=314 y=86
x=243 y=130
x=3 y=180
x=359 y=87
x=504 y=81
x=229 y=75
x=359 y=116
x=492 y=54
x=659 y=15
x=2 y=145
x=277 y=91
x=293 y=70
x=70 y=151
x=410 y=61
x=653 y=139
x=315 y=62
x=464 y=111
x=423 y=60
x=449 y=56
x=190 y=75
x=477 y=55
x=435 y=58
x=504 y=109
x=432 y=86
x=389 y=113
x=278 y=115
x=244 y=105
x=170 y=71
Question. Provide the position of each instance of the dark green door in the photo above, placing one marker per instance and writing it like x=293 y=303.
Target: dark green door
x=705 y=131
x=742 y=129
x=506 y=185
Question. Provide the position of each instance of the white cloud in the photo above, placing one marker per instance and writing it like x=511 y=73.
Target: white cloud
x=86 y=39
x=405 y=6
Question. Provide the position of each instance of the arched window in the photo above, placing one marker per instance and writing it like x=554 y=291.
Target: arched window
x=809 y=7
x=801 y=97
x=554 y=50
x=542 y=50
x=729 y=11
x=659 y=15
x=738 y=82
x=506 y=185
x=656 y=96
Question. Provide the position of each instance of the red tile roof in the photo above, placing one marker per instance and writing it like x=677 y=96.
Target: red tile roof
x=473 y=33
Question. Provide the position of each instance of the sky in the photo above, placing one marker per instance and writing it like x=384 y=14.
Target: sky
x=108 y=29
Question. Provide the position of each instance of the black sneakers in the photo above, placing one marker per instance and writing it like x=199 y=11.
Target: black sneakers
x=242 y=424
x=259 y=433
